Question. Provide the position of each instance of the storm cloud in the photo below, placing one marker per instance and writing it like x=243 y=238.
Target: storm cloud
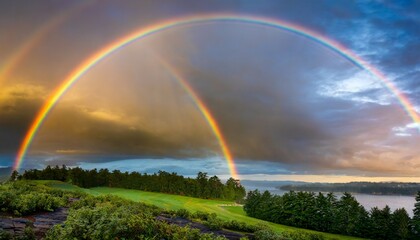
x=277 y=97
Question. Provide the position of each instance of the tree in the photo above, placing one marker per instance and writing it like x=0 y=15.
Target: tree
x=349 y=215
x=202 y=181
x=14 y=176
x=216 y=187
x=251 y=202
x=234 y=190
x=415 y=221
x=400 y=224
x=48 y=173
x=381 y=223
x=324 y=219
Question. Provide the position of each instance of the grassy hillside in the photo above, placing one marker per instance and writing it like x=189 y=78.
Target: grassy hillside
x=223 y=209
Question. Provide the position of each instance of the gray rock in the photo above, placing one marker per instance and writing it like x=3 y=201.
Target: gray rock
x=18 y=225
x=42 y=226
x=6 y=224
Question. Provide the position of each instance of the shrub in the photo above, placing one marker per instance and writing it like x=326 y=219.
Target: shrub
x=300 y=235
x=183 y=213
x=108 y=221
x=23 y=197
x=5 y=235
x=33 y=202
x=268 y=234
x=5 y=198
x=214 y=223
x=240 y=226
x=28 y=234
x=201 y=215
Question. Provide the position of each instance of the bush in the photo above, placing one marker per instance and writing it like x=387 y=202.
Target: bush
x=201 y=215
x=5 y=235
x=33 y=202
x=21 y=198
x=214 y=223
x=267 y=234
x=299 y=235
x=108 y=221
x=240 y=226
x=6 y=197
x=28 y=234
x=183 y=213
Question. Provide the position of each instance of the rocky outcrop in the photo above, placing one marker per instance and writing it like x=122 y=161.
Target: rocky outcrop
x=40 y=223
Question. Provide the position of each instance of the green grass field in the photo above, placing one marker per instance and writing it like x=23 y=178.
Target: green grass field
x=174 y=202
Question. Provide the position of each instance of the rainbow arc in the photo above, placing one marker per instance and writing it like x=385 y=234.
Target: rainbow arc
x=103 y=53
x=37 y=36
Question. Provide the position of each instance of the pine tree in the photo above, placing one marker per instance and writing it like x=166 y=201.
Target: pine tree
x=14 y=176
x=399 y=224
x=349 y=214
x=415 y=221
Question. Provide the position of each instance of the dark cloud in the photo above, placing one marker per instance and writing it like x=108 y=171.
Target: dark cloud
x=85 y=133
x=17 y=111
x=280 y=99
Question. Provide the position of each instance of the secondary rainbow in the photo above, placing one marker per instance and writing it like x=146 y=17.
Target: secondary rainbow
x=22 y=51
x=94 y=59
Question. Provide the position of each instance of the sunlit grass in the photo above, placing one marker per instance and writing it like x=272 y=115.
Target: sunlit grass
x=174 y=202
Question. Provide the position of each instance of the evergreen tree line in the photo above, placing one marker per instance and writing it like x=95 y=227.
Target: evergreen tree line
x=383 y=188
x=327 y=213
x=201 y=187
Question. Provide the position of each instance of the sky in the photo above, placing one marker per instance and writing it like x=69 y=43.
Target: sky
x=287 y=106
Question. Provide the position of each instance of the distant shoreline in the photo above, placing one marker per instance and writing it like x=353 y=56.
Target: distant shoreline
x=371 y=188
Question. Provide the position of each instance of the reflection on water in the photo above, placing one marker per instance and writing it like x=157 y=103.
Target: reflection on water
x=367 y=200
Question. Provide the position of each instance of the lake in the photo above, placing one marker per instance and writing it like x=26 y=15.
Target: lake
x=367 y=200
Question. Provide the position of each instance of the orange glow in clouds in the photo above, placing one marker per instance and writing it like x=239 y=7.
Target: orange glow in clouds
x=87 y=64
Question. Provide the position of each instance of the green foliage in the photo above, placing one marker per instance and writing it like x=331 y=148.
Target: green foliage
x=267 y=234
x=28 y=234
x=21 y=198
x=350 y=216
x=415 y=221
x=400 y=224
x=214 y=223
x=201 y=215
x=326 y=213
x=241 y=226
x=109 y=219
x=5 y=235
x=202 y=186
x=183 y=213
x=299 y=235
x=32 y=202
x=384 y=188
x=221 y=208
x=14 y=176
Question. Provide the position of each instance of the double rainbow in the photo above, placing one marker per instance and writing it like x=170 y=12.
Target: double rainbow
x=26 y=47
x=94 y=59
